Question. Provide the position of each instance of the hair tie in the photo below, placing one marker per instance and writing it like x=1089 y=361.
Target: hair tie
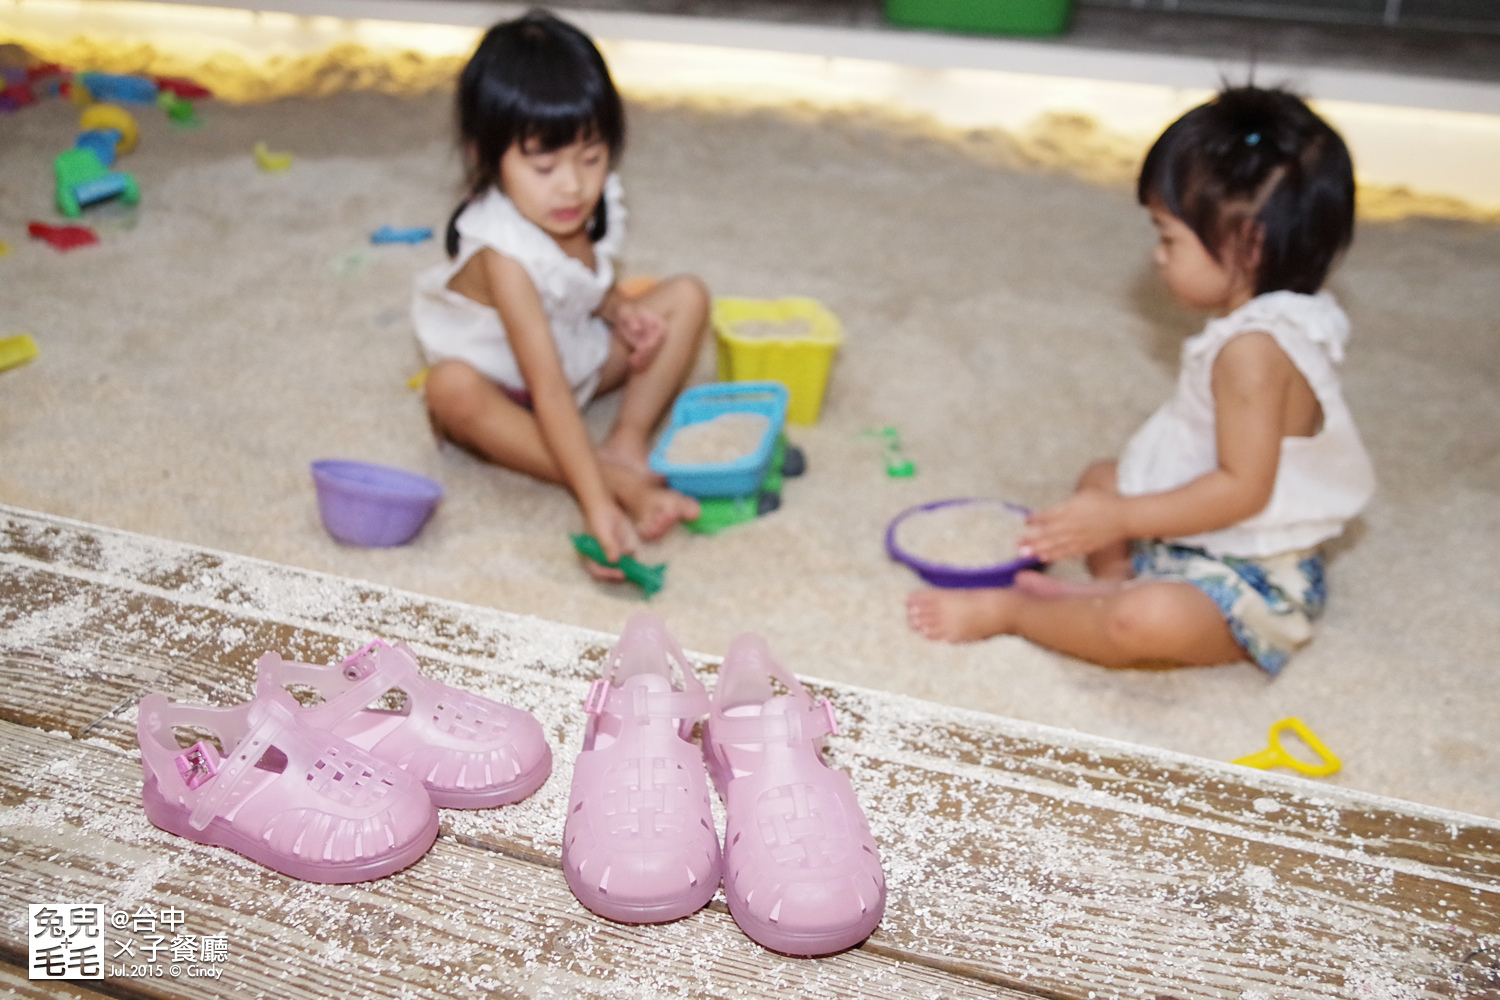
x=1252 y=139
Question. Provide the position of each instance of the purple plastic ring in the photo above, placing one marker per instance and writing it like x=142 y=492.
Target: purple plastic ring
x=958 y=577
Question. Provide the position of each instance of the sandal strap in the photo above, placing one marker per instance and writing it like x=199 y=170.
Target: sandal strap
x=374 y=670
x=606 y=699
x=789 y=727
x=274 y=723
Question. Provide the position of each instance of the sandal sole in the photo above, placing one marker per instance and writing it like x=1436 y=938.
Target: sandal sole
x=173 y=819
x=797 y=945
x=488 y=798
x=627 y=913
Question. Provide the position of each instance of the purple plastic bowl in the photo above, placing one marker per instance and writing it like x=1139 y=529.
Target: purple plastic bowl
x=375 y=506
x=957 y=577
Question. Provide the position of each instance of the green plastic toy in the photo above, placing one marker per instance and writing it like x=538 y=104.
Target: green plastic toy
x=649 y=578
x=717 y=513
x=180 y=112
x=83 y=180
x=897 y=465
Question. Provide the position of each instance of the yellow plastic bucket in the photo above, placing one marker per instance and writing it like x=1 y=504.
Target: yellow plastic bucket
x=791 y=341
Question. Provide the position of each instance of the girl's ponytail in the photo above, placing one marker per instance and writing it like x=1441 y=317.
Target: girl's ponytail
x=450 y=236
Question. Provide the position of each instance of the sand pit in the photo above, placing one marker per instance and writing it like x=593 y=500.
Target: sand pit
x=238 y=325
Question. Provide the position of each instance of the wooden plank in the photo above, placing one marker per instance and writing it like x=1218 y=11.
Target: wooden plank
x=1016 y=854
x=461 y=919
x=1192 y=790
x=13 y=983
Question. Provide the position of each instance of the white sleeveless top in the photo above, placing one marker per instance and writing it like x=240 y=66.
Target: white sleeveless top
x=451 y=325
x=1321 y=482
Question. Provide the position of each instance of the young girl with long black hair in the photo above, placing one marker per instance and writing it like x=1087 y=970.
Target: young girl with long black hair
x=525 y=323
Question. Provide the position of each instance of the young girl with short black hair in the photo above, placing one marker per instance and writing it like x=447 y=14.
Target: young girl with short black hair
x=525 y=324
x=1203 y=539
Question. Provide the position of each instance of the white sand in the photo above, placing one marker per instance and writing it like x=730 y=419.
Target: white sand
x=724 y=438
x=962 y=535
x=1007 y=322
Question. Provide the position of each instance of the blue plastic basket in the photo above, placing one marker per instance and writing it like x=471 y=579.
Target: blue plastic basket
x=742 y=476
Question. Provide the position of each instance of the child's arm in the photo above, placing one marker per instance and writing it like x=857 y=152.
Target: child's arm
x=1252 y=379
x=642 y=330
x=515 y=298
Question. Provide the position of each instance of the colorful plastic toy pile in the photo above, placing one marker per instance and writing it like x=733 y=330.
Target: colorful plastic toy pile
x=106 y=132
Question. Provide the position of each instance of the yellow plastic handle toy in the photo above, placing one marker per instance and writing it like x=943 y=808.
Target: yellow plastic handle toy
x=1275 y=756
x=16 y=350
x=270 y=161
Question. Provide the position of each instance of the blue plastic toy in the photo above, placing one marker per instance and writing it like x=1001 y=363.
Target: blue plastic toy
x=717 y=513
x=390 y=234
x=117 y=87
x=104 y=142
x=739 y=477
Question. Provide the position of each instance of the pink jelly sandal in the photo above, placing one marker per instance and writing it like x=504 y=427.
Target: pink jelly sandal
x=469 y=752
x=801 y=871
x=639 y=845
x=302 y=802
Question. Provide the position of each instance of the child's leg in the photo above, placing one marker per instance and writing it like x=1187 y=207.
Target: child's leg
x=683 y=304
x=476 y=414
x=1148 y=623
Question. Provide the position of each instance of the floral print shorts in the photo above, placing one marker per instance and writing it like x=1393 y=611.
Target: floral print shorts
x=1269 y=603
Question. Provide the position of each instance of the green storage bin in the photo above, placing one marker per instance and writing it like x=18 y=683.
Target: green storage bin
x=988 y=17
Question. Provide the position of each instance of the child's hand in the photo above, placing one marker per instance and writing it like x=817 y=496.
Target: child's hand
x=616 y=536
x=643 y=331
x=1086 y=522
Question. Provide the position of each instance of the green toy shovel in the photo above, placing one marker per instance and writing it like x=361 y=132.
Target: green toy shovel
x=648 y=578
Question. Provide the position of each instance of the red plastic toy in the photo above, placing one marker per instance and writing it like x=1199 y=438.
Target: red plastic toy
x=183 y=88
x=63 y=237
x=17 y=96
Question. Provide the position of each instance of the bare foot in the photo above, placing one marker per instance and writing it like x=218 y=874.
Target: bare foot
x=1029 y=581
x=661 y=511
x=653 y=508
x=960 y=615
x=630 y=453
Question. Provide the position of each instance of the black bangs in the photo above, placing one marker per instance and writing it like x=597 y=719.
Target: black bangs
x=536 y=79
x=1257 y=164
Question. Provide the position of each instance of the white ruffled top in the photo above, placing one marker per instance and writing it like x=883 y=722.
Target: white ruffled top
x=1321 y=482
x=451 y=325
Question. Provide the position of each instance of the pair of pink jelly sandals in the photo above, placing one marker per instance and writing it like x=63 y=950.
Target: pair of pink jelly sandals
x=339 y=791
x=799 y=866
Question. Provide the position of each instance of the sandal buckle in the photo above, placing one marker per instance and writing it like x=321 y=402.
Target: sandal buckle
x=198 y=763
x=597 y=697
x=833 y=722
x=359 y=666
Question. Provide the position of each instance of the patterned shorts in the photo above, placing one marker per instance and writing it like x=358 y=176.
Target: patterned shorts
x=1269 y=603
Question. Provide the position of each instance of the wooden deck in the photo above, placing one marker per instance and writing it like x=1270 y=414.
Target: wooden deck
x=1022 y=861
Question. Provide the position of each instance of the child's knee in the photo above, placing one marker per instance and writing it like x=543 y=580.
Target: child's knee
x=1144 y=622
x=691 y=297
x=453 y=391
